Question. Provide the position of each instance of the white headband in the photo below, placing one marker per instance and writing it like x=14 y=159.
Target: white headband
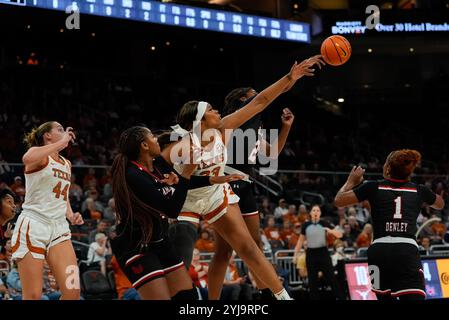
x=201 y=110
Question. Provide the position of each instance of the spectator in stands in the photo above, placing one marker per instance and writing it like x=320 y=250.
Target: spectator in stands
x=291 y=214
x=352 y=212
x=425 y=243
x=427 y=230
x=286 y=233
x=50 y=287
x=295 y=236
x=18 y=188
x=365 y=237
x=198 y=270
x=280 y=210
x=90 y=176
x=15 y=285
x=98 y=251
x=265 y=242
x=271 y=231
x=355 y=226
x=106 y=185
x=101 y=228
x=91 y=212
x=438 y=229
x=125 y=290
x=4 y=294
x=339 y=253
x=235 y=287
x=106 y=178
x=93 y=194
x=205 y=243
x=75 y=194
x=303 y=214
x=265 y=209
x=348 y=237
x=109 y=212
x=6 y=252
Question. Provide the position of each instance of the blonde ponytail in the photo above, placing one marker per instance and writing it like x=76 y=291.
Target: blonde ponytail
x=35 y=138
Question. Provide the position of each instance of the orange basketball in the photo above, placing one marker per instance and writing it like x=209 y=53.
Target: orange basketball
x=336 y=50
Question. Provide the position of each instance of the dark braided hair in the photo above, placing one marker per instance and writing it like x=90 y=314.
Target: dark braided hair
x=129 y=207
x=233 y=100
x=164 y=139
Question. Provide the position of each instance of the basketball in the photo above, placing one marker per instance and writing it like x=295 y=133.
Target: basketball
x=336 y=50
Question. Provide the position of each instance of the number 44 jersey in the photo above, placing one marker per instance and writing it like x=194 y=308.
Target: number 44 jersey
x=395 y=205
x=47 y=189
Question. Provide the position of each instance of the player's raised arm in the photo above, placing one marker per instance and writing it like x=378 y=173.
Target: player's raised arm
x=346 y=196
x=38 y=151
x=264 y=98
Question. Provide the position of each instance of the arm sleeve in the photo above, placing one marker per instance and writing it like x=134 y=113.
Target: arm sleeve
x=366 y=190
x=144 y=188
x=198 y=182
x=427 y=196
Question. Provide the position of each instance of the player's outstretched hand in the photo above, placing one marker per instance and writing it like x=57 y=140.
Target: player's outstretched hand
x=305 y=68
x=356 y=176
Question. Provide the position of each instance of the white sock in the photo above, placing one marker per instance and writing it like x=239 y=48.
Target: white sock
x=283 y=295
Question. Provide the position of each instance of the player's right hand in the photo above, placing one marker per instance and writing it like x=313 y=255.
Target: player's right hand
x=305 y=68
x=356 y=176
x=68 y=136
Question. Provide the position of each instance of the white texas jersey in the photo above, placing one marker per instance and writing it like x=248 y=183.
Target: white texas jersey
x=47 y=189
x=212 y=160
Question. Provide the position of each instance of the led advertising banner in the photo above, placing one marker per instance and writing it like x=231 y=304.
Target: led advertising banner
x=181 y=16
x=436 y=276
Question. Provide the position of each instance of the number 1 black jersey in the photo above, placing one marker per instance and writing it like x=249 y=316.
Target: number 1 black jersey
x=395 y=205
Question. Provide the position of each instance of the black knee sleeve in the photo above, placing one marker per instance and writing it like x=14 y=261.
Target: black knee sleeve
x=191 y=294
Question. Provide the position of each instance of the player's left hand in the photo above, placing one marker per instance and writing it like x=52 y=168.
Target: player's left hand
x=76 y=219
x=170 y=179
x=287 y=117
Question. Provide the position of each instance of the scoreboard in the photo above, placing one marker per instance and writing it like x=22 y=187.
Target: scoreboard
x=180 y=15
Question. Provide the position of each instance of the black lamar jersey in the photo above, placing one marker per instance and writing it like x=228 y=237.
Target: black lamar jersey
x=147 y=186
x=395 y=205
